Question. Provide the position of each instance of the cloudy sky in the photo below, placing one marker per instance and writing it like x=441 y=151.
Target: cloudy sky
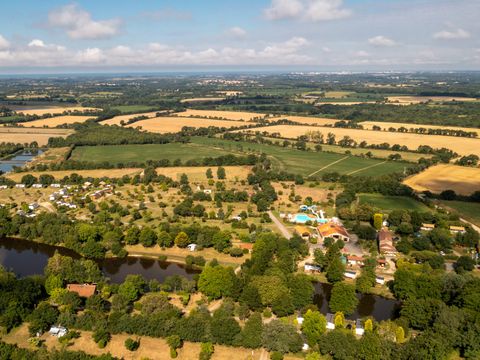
x=323 y=35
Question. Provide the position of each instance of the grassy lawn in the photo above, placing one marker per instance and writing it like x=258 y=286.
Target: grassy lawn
x=468 y=210
x=389 y=203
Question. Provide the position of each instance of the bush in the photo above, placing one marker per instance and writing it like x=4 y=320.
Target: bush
x=236 y=252
x=162 y=258
x=267 y=313
x=132 y=345
x=276 y=356
x=206 y=351
x=101 y=337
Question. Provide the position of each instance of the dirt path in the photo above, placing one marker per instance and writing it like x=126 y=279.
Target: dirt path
x=475 y=227
x=327 y=166
x=280 y=226
x=366 y=168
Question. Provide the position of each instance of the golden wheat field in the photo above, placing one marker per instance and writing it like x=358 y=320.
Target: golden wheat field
x=169 y=124
x=308 y=120
x=229 y=115
x=197 y=173
x=463 y=180
x=202 y=99
x=368 y=125
x=463 y=146
x=54 y=110
x=56 y=121
x=27 y=135
x=97 y=173
x=116 y=120
x=409 y=100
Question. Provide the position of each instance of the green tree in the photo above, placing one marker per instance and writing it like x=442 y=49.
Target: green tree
x=148 y=237
x=209 y=173
x=335 y=270
x=343 y=298
x=221 y=174
x=164 y=239
x=217 y=281
x=339 y=320
x=42 y=318
x=251 y=335
x=206 y=351
x=53 y=282
x=174 y=342
x=400 y=335
x=314 y=325
x=377 y=221
x=132 y=345
x=182 y=240
x=463 y=264
x=281 y=337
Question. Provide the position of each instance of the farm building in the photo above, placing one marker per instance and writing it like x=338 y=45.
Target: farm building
x=58 y=331
x=427 y=227
x=83 y=290
x=332 y=230
x=385 y=243
x=354 y=260
x=457 y=229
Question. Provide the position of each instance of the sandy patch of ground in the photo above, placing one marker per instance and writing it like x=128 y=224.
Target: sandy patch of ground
x=56 y=121
x=116 y=120
x=169 y=124
x=27 y=135
x=229 y=115
x=308 y=120
x=198 y=173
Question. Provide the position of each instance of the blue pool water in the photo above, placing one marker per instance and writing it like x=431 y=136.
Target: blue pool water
x=303 y=218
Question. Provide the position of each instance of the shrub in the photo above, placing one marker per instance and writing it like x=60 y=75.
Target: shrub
x=236 y=252
x=132 y=345
x=101 y=337
x=206 y=351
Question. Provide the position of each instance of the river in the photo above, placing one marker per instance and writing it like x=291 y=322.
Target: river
x=26 y=258
x=19 y=159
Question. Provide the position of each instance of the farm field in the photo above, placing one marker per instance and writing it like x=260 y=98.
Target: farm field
x=202 y=99
x=468 y=210
x=368 y=125
x=229 y=115
x=389 y=203
x=463 y=180
x=53 y=110
x=409 y=100
x=116 y=120
x=56 y=121
x=169 y=124
x=308 y=120
x=463 y=146
x=96 y=173
x=141 y=153
x=197 y=173
x=134 y=108
x=28 y=135
x=308 y=163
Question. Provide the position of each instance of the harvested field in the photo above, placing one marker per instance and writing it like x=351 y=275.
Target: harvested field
x=116 y=120
x=230 y=92
x=368 y=125
x=53 y=110
x=27 y=135
x=198 y=173
x=463 y=146
x=204 y=99
x=97 y=173
x=169 y=124
x=409 y=100
x=307 y=120
x=463 y=180
x=229 y=115
x=57 y=120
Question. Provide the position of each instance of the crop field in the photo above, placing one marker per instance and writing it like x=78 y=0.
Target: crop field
x=134 y=108
x=389 y=203
x=141 y=153
x=197 y=173
x=53 y=110
x=202 y=99
x=463 y=180
x=96 y=173
x=468 y=210
x=308 y=163
x=409 y=100
x=308 y=120
x=368 y=125
x=169 y=124
x=229 y=115
x=27 y=135
x=463 y=146
x=56 y=121
x=116 y=120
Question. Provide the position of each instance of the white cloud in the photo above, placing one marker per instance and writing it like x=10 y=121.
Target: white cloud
x=36 y=43
x=326 y=49
x=90 y=55
x=322 y=10
x=237 y=32
x=361 y=53
x=452 y=34
x=381 y=41
x=80 y=25
x=280 y=9
x=312 y=10
x=4 y=43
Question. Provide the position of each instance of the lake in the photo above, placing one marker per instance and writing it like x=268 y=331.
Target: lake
x=19 y=159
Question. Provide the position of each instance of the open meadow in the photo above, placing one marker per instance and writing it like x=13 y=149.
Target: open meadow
x=229 y=115
x=202 y=99
x=28 y=135
x=197 y=173
x=56 y=121
x=116 y=120
x=463 y=180
x=389 y=203
x=463 y=146
x=368 y=125
x=53 y=110
x=96 y=173
x=168 y=124
x=410 y=100
x=469 y=211
x=307 y=120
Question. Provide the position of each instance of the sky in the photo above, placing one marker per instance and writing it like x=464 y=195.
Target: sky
x=314 y=35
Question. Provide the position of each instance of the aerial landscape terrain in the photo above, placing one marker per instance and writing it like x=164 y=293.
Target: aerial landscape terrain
x=255 y=199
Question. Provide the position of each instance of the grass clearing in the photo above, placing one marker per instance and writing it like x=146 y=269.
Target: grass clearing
x=202 y=99
x=389 y=203
x=197 y=173
x=229 y=115
x=463 y=180
x=468 y=210
x=28 y=135
x=134 y=108
x=463 y=146
x=409 y=100
x=56 y=121
x=169 y=124
x=53 y=110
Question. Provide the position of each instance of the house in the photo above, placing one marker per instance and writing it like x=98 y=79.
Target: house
x=3 y=186
x=427 y=227
x=385 y=243
x=359 y=330
x=33 y=206
x=20 y=186
x=330 y=321
x=192 y=247
x=333 y=230
x=380 y=280
x=83 y=290
x=37 y=186
x=303 y=231
x=350 y=274
x=312 y=267
x=457 y=230
x=55 y=185
x=58 y=331
x=248 y=246
x=355 y=260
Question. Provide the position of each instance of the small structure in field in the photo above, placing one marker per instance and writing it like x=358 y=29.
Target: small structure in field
x=83 y=290
x=312 y=268
x=380 y=280
x=330 y=321
x=359 y=330
x=350 y=274
x=192 y=247
x=457 y=229
x=427 y=227
x=58 y=331
x=303 y=231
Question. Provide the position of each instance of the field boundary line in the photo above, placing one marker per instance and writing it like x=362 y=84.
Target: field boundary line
x=367 y=167
x=327 y=166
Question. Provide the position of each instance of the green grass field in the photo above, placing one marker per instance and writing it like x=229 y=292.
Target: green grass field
x=135 y=108
x=388 y=203
x=468 y=210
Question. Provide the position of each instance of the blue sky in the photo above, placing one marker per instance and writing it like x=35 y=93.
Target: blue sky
x=278 y=34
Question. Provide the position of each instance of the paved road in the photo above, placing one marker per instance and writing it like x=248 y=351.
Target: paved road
x=280 y=226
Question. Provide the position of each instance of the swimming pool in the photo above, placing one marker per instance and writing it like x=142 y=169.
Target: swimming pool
x=303 y=218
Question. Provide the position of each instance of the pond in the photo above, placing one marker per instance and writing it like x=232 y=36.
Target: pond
x=19 y=159
x=26 y=258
